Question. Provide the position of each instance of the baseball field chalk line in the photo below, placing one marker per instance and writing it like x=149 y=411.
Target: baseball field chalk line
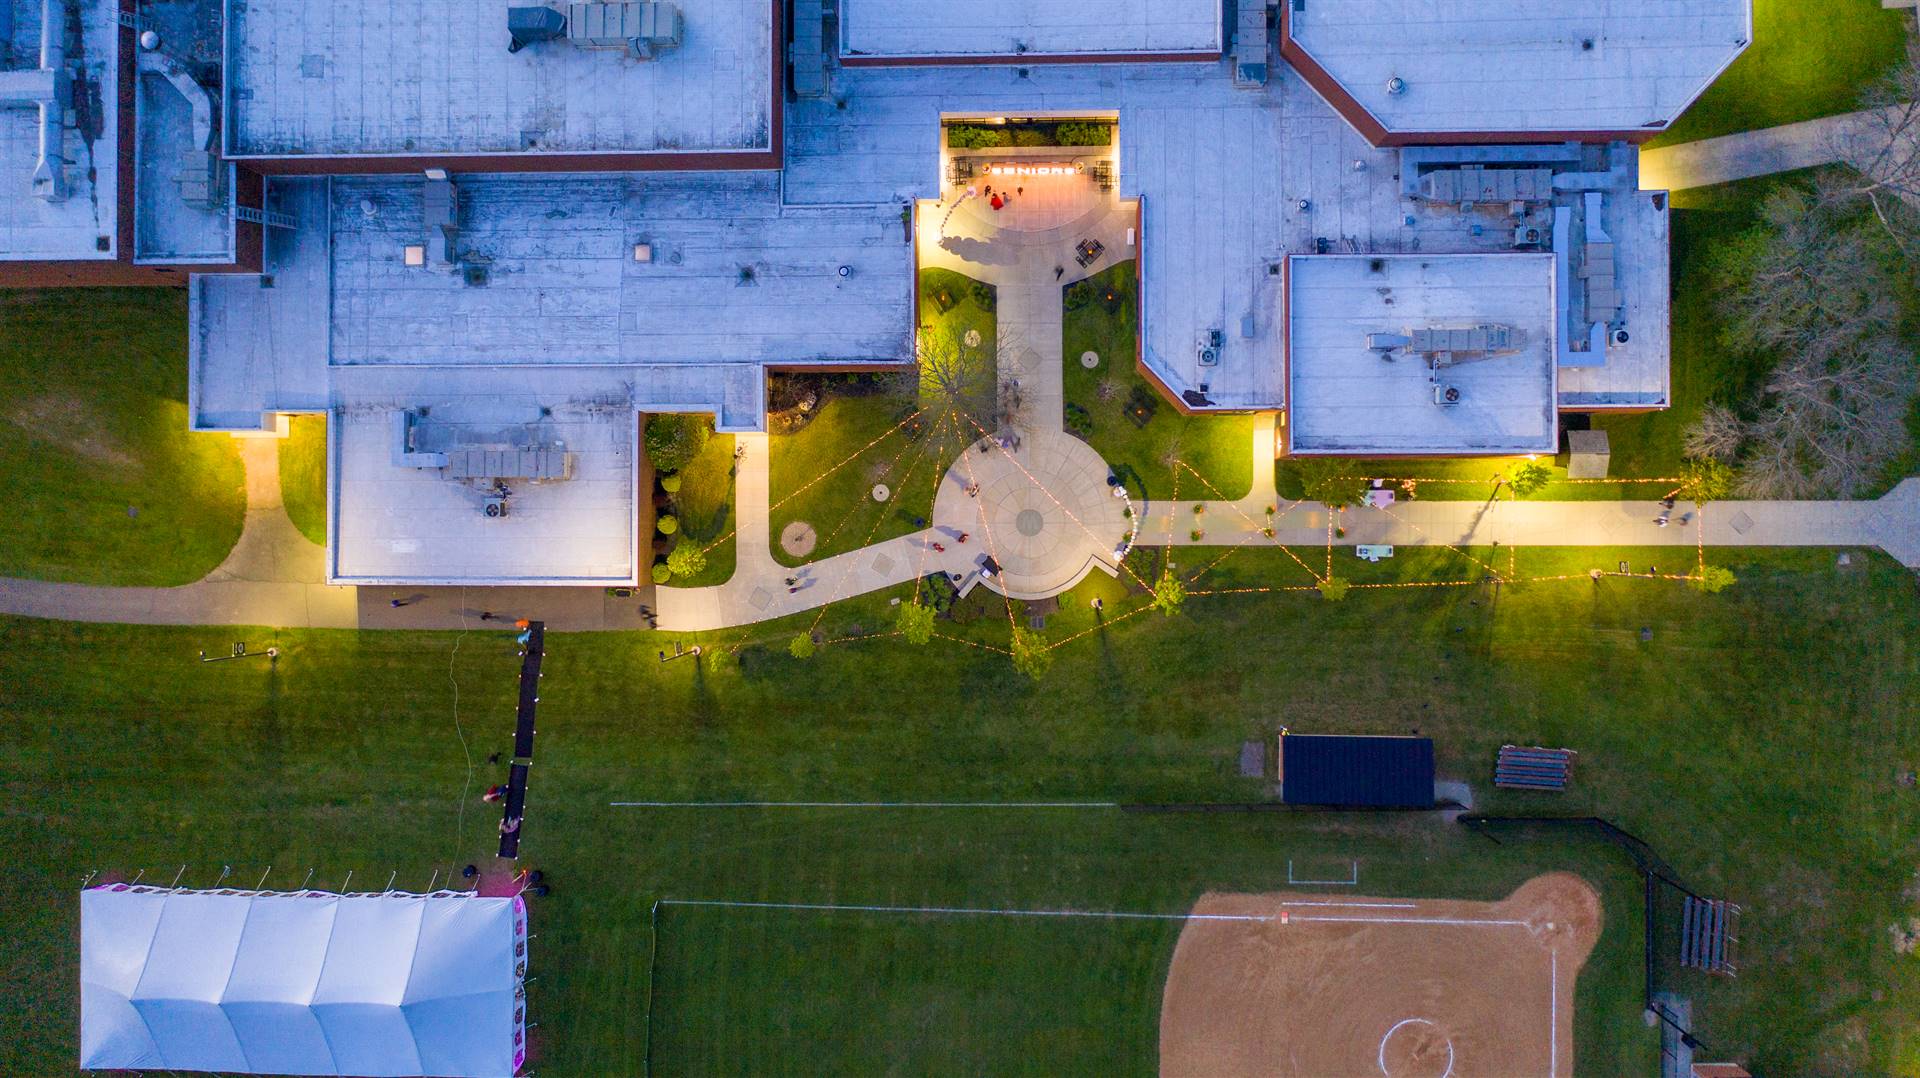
x=967 y=910
x=1354 y=881
x=870 y=804
x=1388 y=1035
x=1553 y=1014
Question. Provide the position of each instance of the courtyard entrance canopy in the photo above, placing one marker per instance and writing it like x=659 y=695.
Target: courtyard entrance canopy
x=301 y=983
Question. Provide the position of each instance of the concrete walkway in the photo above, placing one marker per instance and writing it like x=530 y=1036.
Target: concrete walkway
x=1754 y=153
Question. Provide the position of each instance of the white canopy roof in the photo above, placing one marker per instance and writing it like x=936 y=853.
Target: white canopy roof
x=302 y=983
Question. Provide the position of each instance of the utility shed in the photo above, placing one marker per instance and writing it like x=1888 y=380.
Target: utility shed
x=1356 y=772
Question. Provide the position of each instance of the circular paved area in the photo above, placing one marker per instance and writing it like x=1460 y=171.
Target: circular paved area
x=1044 y=512
x=798 y=539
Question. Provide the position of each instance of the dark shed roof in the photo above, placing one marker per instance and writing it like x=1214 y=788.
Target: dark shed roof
x=1373 y=772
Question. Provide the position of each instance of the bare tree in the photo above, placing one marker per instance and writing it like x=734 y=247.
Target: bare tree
x=1815 y=284
x=1830 y=426
x=1883 y=148
x=1716 y=435
x=959 y=395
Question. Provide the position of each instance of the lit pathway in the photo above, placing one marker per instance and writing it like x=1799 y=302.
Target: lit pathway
x=273 y=576
x=1751 y=153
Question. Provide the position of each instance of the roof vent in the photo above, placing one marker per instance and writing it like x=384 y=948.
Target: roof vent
x=1396 y=85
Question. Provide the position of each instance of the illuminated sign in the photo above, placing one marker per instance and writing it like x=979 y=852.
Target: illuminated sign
x=1032 y=170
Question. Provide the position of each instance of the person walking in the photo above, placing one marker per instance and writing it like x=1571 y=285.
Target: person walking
x=962 y=538
x=398 y=603
x=939 y=548
x=487 y=615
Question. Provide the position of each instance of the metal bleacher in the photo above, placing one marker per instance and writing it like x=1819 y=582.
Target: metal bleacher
x=1533 y=768
x=1706 y=934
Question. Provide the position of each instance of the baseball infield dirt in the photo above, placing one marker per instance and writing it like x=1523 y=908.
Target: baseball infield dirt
x=1334 y=985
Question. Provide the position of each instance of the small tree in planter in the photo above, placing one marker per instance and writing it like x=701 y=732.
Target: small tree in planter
x=801 y=646
x=1196 y=535
x=687 y=559
x=1333 y=589
x=1706 y=480
x=667 y=525
x=916 y=622
x=661 y=573
x=670 y=483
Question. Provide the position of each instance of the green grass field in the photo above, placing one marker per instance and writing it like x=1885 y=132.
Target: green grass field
x=105 y=484
x=303 y=475
x=1809 y=58
x=1219 y=448
x=1756 y=739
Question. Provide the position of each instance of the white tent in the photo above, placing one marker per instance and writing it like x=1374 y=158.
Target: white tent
x=301 y=983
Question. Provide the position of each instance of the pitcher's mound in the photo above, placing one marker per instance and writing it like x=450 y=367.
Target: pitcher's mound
x=1314 y=984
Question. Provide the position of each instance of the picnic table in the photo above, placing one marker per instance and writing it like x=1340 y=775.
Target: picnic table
x=1380 y=497
x=1088 y=251
x=1371 y=552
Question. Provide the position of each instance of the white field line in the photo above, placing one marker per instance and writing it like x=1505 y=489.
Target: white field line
x=1458 y=921
x=871 y=804
x=969 y=911
x=1553 y=1014
x=1355 y=905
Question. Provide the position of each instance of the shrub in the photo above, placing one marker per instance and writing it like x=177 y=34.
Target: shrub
x=670 y=483
x=674 y=439
x=801 y=646
x=686 y=559
x=1032 y=136
x=1079 y=420
x=916 y=622
x=1030 y=654
x=1196 y=535
x=984 y=295
x=1168 y=593
x=1083 y=133
x=977 y=137
x=667 y=524
x=661 y=572
x=1334 y=588
x=1529 y=479
x=1706 y=480
x=1714 y=579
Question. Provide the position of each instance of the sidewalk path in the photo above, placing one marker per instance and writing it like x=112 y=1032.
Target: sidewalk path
x=1752 y=153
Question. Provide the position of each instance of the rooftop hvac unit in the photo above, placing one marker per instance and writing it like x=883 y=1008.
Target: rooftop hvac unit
x=531 y=25
x=645 y=28
x=495 y=507
x=1207 y=348
x=1443 y=345
x=1446 y=396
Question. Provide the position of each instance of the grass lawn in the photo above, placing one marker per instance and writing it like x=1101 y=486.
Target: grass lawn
x=303 y=475
x=1218 y=447
x=1809 y=58
x=705 y=508
x=825 y=472
x=106 y=484
x=1755 y=739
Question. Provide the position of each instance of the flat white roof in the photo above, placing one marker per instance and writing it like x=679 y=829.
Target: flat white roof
x=353 y=77
x=733 y=277
x=963 y=28
x=1523 y=65
x=1348 y=400
x=392 y=522
x=32 y=228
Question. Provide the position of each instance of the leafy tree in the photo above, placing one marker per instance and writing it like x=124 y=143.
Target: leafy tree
x=1326 y=480
x=1529 y=479
x=916 y=622
x=661 y=573
x=801 y=646
x=686 y=559
x=1706 y=480
x=1030 y=654
x=675 y=438
x=1334 y=588
x=1168 y=593
x=1714 y=579
x=667 y=524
